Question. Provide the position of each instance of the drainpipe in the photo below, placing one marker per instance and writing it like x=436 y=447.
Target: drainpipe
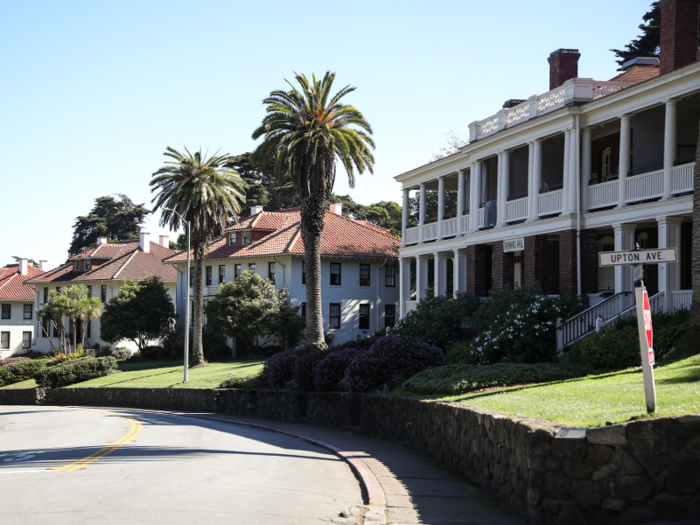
x=578 y=204
x=283 y=270
x=378 y=296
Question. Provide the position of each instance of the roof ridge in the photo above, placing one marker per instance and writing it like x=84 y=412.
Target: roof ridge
x=255 y=221
x=361 y=223
x=128 y=260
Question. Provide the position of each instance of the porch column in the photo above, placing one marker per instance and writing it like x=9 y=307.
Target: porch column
x=404 y=217
x=624 y=240
x=421 y=213
x=531 y=196
x=585 y=167
x=440 y=273
x=504 y=187
x=565 y=207
x=475 y=192
x=669 y=273
x=441 y=205
x=404 y=284
x=460 y=199
x=537 y=178
x=573 y=183
x=459 y=271
x=625 y=149
x=669 y=146
x=421 y=276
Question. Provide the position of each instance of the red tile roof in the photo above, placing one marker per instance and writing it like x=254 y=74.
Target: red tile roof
x=638 y=74
x=12 y=287
x=125 y=261
x=342 y=237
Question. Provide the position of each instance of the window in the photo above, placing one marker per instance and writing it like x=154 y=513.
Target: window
x=389 y=315
x=271 y=272
x=335 y=274
x=76 y=266
x=389 y=276
x=26 y=340
x=246 y=237
x=303 y=272
x=364 y=274
x=209 y=272
x=27 y=311
x=251 y=267
x=191 y=279
x=232 y=239
x=103 y=293
x=89 y=329
x=46 y=294
x=89 y=291
x=334 y=315
x=222 y=274
x=88 y=265
x=364 y=317
x=46 y=328
x=303 y=309
x=237 y=271
x=6 y=312
x=4 y=340
x=606 y=163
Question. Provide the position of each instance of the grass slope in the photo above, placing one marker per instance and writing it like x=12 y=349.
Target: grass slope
x=597 y=399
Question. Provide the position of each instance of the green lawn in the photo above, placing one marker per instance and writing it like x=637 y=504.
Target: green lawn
x=166 y=374
x=596 y=399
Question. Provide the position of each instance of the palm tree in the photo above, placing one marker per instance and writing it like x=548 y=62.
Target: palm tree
x=306 y=130
x=205 y=193
x=88 y=309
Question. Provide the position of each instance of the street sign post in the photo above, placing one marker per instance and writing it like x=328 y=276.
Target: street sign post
x=646 y=348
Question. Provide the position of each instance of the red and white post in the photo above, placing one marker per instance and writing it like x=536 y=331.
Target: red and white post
x=646 y=345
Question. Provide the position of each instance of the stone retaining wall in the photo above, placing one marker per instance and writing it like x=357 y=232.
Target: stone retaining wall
x=636 y=472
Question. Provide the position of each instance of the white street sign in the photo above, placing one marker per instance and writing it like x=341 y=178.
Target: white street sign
x=659 y=255
x=514 y=245
x=638 y=273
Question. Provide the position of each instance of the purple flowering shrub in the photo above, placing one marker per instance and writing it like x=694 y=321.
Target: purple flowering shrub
x=305 y=368
x=331 y=369
x=9 y=360
x=390 y=356
x=279 y=368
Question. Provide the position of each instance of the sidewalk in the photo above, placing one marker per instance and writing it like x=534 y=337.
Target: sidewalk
x=415 y=490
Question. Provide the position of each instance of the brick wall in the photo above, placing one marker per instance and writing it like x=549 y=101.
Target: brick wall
x=563 y=65
x=534 y=260
x=568 y=282
x=551 y=284
x=589 y=262
x=679 y=33
x=503 y=267
x=476 y=269
x=686 y=255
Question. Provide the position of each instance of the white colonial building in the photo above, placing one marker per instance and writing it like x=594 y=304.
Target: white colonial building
x=548 y=182
x=103 y=269
x=359 y=272
x=17 y=316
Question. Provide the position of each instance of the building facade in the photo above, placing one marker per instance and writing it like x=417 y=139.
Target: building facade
x=17 y=316
x=359 y=270
x=103 y=269
x=547 y=183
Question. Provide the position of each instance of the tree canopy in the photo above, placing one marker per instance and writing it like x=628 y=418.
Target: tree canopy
x=118 y=219
x=274 y=191
x=646 y=44
x=386 y=214
x=141 y=312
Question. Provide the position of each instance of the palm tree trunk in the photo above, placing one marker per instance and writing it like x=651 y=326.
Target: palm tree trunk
x=694 y=324
x=313 y=210
x=197 y=357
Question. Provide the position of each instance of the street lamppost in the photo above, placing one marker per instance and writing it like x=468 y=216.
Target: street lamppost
x=187 y=301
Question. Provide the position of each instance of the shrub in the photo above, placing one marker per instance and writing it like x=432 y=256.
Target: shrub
x=463 y=352
x=245 y=382
x=172 y=345
x=361 y=343
x=331 y=369
x=305 y=368
x=76 y=371
x=20 y=371
x=460 y=378
x=388 y=357
x=56 y=358
x=279 y=368
x=668 y=330
x=121 y=353
x=439 y=319
x=9 y=360
x=30 y=354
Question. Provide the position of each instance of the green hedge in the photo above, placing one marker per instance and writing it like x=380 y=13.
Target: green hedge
x=20 y=371
x=458 y=379
x=245 y=382
x=75 y=371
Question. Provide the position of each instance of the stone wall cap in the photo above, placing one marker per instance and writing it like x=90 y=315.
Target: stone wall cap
x=613 y=435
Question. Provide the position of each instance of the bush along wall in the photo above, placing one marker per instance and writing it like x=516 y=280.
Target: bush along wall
x=75 y=371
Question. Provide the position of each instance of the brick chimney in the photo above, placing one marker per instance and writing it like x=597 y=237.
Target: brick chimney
x=563 y=66
x=145 y=242
x=679 y=33
x=512 y=102
x=337 y=208
x=163 y=240
x=23 y=266
x=41 y=264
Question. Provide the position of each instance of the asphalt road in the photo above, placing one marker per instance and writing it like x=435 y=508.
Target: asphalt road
x=80 y=466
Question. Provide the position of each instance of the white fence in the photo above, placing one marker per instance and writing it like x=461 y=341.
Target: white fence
x=602 y=195
x=550 y=202
x=450 y=227
x=682 y=178
x=646 y=186
x=682 y=299
x=516 y=210
x=411 y=235
x=430 y=231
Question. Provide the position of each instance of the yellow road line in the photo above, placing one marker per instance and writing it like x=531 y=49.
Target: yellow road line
x=134 y=431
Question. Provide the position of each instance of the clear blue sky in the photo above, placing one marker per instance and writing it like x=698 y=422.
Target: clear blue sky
x=93 y=92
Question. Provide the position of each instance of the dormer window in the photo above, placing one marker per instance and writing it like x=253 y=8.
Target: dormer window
x=246 y=237
x=232 y=239
x=76 y=266
x=87 y=265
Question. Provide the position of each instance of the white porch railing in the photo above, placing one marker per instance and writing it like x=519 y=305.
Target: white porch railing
x=550 y=202
x=465 y=224
x=681 y=299
x=655 y=304
x=412 y=235
x=430 y=231
x=602 y=195
x=449 y=227
x=584 y=323
x=516 y=210
x=481 y=217
x=646 y=186
x=682 y=178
